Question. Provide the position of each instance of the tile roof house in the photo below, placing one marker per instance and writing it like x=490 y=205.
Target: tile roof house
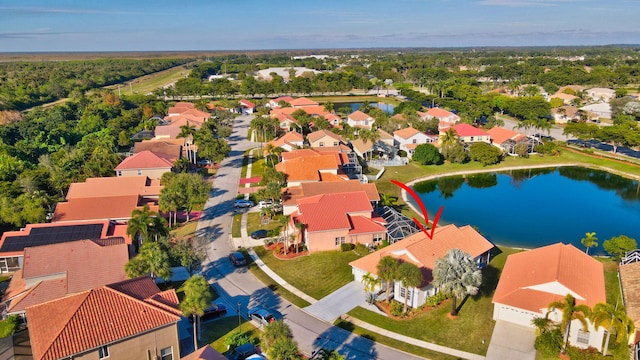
x=629 y=274
x=180 y=107
x=469 y=134
x=601 y=94
x=533 y=279
x=337 y=218
x=108 y=198
x=302 y=102
x=131 y=319
x=290 y=141
x=275 y=103
x=53 y=271
x=293 y=193
x=205 y=353
x=145 y=163
x=408 y=139
x=247 y=106
x=601 y=110
x=445 y=118
x=13 y=243
x=171 y=148
x=506 y=139
x=423 y=252
x=564 y=114
x=324 y=138
x=360 y=120
x=309 y=168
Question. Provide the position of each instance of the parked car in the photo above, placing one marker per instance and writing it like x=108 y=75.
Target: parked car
x=237 y=259
x=213 y=311
x=261 y=316
x=259 y=234
x=264 y=203
x=244 y=203
x=242 y=352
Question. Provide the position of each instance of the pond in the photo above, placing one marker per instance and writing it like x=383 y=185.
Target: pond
x=388 y=108
x=537 y=207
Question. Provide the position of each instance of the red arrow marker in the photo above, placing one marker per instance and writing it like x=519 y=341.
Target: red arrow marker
x=423 y=209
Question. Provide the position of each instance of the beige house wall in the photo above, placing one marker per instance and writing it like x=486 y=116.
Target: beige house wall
x=150 y=173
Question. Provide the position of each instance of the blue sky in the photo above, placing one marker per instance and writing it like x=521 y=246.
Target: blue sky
x=143 y=25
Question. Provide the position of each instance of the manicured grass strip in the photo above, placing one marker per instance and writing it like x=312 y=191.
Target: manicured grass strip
x=245 y=163
x=316 y=275
x=397 y=344
x=275 y=287
x=215 y=332
x=257 y=168
x=235 y=225
x=186 y=230
x=611 y=282
x=254 y=222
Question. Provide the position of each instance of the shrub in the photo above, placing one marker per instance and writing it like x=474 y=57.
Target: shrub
x=549 y=343
x=346 y=247
x=273 y=232
x=8 y=326
x=437 y=299
x=237 y=338
x=590 y=353
x=396 y=308
x=384 y=243
x=402 y=153
x=362 y=249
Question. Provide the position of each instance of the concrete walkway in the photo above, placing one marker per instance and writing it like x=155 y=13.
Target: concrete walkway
x=510 y=341
x=339 y=302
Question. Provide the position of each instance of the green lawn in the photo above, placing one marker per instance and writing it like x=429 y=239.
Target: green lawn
x=257 y=168
x=146 y=84
x=474 y=321
x=215 y=332
x=185 y=230
x=254 y=223
x=275 y=287
x=316 y=275
x=245 y=163
x=235 y=225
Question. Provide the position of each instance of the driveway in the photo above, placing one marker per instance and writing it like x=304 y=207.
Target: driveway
x=339 y=302
x=239 y=286
x=511 y=341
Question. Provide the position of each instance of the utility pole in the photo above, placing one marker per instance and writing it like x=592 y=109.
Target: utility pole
x=131 y=87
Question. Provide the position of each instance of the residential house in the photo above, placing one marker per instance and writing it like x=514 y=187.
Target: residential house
x=469 y=134
x=385 y=137
x=360 y=120
x=567 y=99
x=599 y=110
x=205 y=353
x=58 y=270
x=286 y=121
x=292 y=194
x=290 y=141
x=180 y=107
x=247 y=106
x=13 y=243
x=506 y=140
x=533 y=279
x=145 y=163
x=601 y=94
x=331 y=220
x=171 y=148
x=423 y=252
x=309 y=166
x=445 y=118
x=302 y=102
x=409 y=138
x=629 y=275
x=275 y=103
x=325 y=138
x=363 y=149
x=565 y=114
x=112 y=198
x=131 y=319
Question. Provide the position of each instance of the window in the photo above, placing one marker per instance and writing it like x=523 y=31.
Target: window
x=339 y=240
x=583 y=337
x=119 y=173
x=471 y=138
x=103 y=352
x=415 y=141
x=166 y=353
x=139 y=172
x=321 y=143
x=405 y=293
x=378 y=237
x=335 y=143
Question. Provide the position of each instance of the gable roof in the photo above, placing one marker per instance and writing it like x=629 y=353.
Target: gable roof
x=146 y=160
x=331 y=211
x=65 y=268
x=499 y=135
x=247 y=103
x=318 y=188
x=113 y=207
x=286 y=99
x=317 y=135
x=87 y=320
x=534 y=278
x=439 y=112
x=169 y=147
x=468 y=130
x=114 y=186
x=290 y=137
x=301 y=102
x=423 y=252
x=359 y=116
x=205 y=353
x=406 y=133
x=630 y=283
x=307 y=167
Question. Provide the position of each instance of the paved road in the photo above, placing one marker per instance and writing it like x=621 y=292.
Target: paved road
x=239 y=286
x=555 y=132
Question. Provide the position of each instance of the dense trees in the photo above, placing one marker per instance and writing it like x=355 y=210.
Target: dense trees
x=427 y=154
x=184 y=191
x=618 y=246
x=484 y=153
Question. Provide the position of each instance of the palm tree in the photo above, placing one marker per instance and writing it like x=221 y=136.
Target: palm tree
x=284 y=348
x=158 y=228
x=387 y=200
x=411 y=277
x=542 y=324
x=457 y=274
x=370 y=282
x=570 y=312
x=273 y=332
x=449 y=137
x=613 y=319
x=284 y=222
x=589 y=240
x=188 y=131
x=152 y=259
x=197 y=297
x=300 y=226
x=138 y=225
x=388 y=271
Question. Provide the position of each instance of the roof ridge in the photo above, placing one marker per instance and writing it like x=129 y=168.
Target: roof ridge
x=86 y=294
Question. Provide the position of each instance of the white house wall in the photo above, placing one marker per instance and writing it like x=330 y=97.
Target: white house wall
x=514 y=315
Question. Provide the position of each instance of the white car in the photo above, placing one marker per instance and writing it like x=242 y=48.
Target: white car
x=264 y=203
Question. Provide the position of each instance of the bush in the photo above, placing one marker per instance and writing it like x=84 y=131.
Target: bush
x=346 y=247
x=402 y=153
x=237 y=338
x=589 y=353
x=8 y=326
x=437 y=299
x=362 y=249
x=427 y=154
x=484 y=153
x=396 y=308
x=549 y=343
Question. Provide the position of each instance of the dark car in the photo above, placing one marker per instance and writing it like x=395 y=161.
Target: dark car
x=259 y=234
x=242 y=352
x=243 y=203
x=261 y=316
x=213 y=311
x=237 y=259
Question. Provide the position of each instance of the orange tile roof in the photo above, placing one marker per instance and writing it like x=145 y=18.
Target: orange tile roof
x=499 y=135
x=67 y=262
x=329 y=177
x=114 y=186
x=439 y=113
x=318 y=188
x=286 y=99
x=423 y=252
x=146 y=160
x=205 y=353
x=563 y=96
x=307 y=167
x=290 y=137
x=364 y=225
x=532 y=279
x=411 y=146
x=317 y=135
x=94 y=208
x=468 y=130
x=301 y=102
x=183 y=120
x=406 y=133
x=247 y=103
x=630 y=283
x=359 y=116
x=77 y=323
x=331 y=211
x=169 y=147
